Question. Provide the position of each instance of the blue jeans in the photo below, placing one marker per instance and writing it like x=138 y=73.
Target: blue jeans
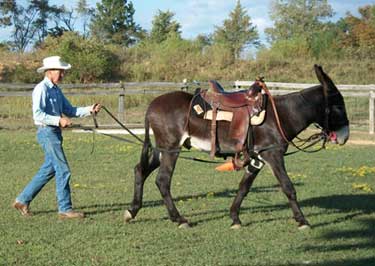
x=55 y=164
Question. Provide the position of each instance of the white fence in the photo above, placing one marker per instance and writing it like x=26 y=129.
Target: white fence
x=127 y=88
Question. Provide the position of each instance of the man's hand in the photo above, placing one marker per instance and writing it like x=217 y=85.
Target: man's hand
x=64 y=122
x=96 y=108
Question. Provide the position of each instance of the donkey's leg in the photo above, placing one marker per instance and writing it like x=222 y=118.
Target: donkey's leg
x=163 y=181
x=277 y=164
x=244 y=187
x=139 y=180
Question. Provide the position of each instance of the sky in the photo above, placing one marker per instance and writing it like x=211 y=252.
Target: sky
x=201 y=16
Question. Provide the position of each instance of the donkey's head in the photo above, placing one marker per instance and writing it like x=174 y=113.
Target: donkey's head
x=335 y=121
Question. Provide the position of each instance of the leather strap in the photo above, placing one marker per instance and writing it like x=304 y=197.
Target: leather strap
x=213 y=131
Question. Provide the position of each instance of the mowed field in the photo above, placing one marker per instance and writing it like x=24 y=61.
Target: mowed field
x=335 y=188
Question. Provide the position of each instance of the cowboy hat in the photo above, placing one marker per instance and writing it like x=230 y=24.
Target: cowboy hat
x=53 y=62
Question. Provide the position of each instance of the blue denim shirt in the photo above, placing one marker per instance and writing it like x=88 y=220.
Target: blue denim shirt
x=49 y=104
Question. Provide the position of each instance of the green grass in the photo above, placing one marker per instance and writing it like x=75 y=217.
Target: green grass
x=342 y=215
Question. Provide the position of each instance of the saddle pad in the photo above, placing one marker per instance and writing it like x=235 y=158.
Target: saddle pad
x=258 y=119
x=203 y=110
x=221 y=115
x=255 y=120
x=199 y=105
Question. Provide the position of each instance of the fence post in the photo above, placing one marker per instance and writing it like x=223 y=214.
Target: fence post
x=121 y=104
x=185 y=86
x=371 y=112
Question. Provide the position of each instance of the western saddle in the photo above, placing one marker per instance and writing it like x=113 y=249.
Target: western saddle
x=242 y=105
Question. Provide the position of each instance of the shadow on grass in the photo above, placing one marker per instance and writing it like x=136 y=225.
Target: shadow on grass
x=349 y=205
x=361 y=238
x=116 y=207
x=214 y=214
x=228 y=193
x=345 y=262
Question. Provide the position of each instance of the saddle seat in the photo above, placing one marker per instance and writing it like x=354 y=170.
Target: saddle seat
x=231 y=99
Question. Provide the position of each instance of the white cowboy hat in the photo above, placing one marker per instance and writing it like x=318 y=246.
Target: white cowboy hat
x=53 y=62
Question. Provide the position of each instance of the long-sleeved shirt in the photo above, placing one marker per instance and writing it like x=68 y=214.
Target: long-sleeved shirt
x=49 y=104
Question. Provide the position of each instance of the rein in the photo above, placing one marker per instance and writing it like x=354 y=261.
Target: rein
x=312 y=140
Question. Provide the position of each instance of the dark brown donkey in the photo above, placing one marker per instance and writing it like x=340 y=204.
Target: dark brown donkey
x=167 y=116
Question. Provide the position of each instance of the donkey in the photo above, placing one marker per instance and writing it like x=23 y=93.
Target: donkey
x=168 y=115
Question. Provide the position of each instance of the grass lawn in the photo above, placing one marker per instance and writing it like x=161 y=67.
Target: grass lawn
x=335 y=188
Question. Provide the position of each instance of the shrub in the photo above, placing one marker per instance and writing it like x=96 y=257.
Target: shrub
x=91 y=61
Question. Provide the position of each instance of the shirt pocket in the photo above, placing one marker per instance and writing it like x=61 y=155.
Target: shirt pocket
x=54 y=102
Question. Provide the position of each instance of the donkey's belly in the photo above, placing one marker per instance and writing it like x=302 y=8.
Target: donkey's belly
x=200 y=144
x=204 y=144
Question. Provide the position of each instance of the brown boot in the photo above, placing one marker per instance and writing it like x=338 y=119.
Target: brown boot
x=22 y=208
x=71 y=215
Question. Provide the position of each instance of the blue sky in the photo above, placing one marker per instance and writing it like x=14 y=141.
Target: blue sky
x=201 y=16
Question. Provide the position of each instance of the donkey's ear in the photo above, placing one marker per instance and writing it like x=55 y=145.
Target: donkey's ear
x=319 y=73
x=324 y=79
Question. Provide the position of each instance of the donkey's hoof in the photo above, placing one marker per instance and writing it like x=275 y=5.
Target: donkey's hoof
x=184 y=226
x=236 y=226
x=304 y=227
x=127 y=216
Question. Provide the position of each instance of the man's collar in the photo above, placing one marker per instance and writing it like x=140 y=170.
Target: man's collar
x=49 y=83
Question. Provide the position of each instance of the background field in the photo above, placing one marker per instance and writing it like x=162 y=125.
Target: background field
x=335 y=188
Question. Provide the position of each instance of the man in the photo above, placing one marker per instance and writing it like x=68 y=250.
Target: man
x=49 y=106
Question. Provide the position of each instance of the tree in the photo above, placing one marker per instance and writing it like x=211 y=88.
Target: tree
x=163 y=26
x=21 y=19
x=91 y=60
x=113 y=22
x=357 y=34
x=29 y=22
x=64 y=21
x=85 y=13
x=203 y=40
x=65 y=17
x=237 y=32
x=296 y=18
x=43 y=11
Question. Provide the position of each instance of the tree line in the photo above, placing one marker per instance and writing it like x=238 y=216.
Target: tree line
x=108 y=44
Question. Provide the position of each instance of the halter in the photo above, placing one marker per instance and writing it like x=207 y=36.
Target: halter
x=327 y=111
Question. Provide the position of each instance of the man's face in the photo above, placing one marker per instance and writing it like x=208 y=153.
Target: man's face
x=55 y=75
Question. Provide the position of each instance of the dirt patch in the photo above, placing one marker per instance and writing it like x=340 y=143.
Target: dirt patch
x=361 y=142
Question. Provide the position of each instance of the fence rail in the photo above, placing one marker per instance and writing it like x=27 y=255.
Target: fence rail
x=128 y=88
x=370 y=87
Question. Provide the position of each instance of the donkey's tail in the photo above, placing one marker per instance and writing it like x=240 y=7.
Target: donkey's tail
x=147 y=146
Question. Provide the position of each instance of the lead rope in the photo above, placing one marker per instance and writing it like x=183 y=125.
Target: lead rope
x=122 y=125
x=94 y=114
x=139 y=139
